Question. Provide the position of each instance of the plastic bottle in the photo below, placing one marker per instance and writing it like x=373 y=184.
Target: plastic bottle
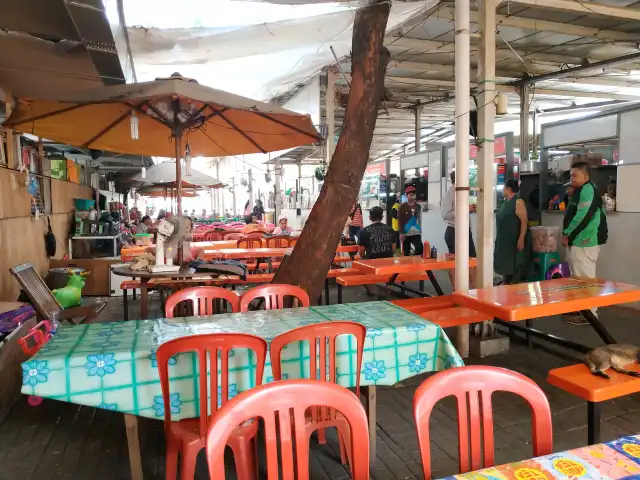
x=426 y=249
x=434 y=252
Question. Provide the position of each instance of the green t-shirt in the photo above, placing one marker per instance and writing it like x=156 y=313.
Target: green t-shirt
x=583 y=217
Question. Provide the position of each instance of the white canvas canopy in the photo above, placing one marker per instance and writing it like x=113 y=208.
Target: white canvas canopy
x=249 y=48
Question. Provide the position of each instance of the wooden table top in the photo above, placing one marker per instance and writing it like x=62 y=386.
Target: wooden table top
x=184 y=272
x=393 y=265
x=524 y=301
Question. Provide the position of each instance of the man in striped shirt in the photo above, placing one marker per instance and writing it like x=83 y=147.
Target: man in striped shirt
x=356 y=221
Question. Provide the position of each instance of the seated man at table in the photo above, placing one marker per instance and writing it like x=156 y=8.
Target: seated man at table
x=376 y=240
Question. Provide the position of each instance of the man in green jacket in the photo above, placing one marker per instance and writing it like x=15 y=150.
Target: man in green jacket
x=584 y=228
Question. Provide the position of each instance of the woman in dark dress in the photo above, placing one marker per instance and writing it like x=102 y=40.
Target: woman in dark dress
x=511 y=258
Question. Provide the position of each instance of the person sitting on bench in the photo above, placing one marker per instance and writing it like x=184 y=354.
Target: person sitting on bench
x=376 y=240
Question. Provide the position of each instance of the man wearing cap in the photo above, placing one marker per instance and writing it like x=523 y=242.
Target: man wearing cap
x=410 y=221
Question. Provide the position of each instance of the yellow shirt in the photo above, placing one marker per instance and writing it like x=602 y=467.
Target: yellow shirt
x=394 y=220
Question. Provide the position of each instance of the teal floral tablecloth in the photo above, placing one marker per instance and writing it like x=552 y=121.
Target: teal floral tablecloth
x=113 y=365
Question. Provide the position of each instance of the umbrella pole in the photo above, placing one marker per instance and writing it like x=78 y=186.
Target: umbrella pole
x=178 y=138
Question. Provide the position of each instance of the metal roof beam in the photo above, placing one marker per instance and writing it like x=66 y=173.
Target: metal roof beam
x=512 y=89
x=612 y=62
x=501 y=54
x=591 y=8
x=555 y=27
x=511 y=74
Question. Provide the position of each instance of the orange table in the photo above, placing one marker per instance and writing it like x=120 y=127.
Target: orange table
x=525 y=301
x=127 y=254
x=396 y=265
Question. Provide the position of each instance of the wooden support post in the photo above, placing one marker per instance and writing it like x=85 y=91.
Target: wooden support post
x=462 y=83
x=370 y=406
x=329 y=100
x=524 y=123
x=418 y=128
x=486 y=118
x=12 y=155
x=133 y=442
x=277 y=179
x=40 y=164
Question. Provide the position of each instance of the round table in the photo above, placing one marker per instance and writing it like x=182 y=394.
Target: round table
x=145 y=276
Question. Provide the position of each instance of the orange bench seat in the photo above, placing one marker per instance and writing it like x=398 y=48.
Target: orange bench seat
x=369 y=279
x=453 y=317
x=579 y=381
x=425 y=304
x=345 y=259
x=337 y=272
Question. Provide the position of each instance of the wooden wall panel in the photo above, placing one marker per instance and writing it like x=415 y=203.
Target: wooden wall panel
x=14 y=199
x=22 y=237
x=63 y=193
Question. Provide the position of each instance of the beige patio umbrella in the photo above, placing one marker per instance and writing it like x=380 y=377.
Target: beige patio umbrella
x=171 y=117
x=165 y=175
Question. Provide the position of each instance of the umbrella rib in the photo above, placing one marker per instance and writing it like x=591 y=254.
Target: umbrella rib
x=238 y=130
x=50 y=114
x=108 y=128
x=284 y=124
x=195 y=116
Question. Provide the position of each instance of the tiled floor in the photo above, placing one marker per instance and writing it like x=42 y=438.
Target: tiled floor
x=63 y=441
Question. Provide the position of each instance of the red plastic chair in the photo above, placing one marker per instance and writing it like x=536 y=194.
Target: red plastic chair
x=187 y=437
x=212 y=236
x=274 y=296
x=249 y=242
x=473 y=387
x=203 y=300
x=278 y=242
x=322 y=335
x=293 y=241
x=234 y=236
x=280 y=430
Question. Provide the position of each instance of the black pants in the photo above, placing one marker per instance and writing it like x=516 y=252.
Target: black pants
x=450 y=239
x=354 y=232
x=416 y=241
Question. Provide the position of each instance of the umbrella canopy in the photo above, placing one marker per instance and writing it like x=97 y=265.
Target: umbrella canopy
x=212 y=122
x=164 y=175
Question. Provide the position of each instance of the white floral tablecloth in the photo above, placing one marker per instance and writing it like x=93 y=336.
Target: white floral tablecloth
x=113 y=365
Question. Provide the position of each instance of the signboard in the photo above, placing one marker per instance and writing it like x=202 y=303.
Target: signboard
x=375 y=169
x=499 y=148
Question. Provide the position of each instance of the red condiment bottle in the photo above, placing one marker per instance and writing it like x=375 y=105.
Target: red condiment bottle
x=426 y=249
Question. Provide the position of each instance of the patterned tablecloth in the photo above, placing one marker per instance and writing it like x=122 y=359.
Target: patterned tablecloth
x=614 y=460
x=113 y=365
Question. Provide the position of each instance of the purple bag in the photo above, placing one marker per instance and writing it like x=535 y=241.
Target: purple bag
x=559 y=270
x=11 y=320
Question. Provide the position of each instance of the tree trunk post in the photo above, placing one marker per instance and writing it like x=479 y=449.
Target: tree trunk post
x=308 y=264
